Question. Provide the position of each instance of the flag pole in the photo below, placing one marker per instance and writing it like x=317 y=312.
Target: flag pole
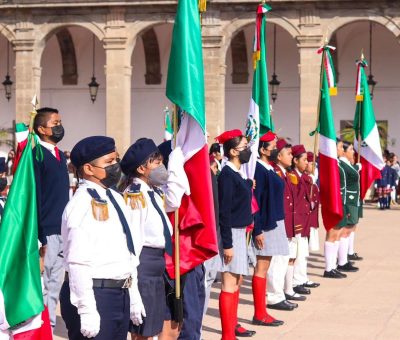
x=176 y=233
x=359 y=121
x=316 y=135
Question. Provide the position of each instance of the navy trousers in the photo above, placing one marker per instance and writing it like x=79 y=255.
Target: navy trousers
x=112 y=305
x=193 y=304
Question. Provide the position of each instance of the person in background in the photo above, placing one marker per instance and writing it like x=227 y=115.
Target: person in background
x=234 y=196
x=10 y=162
x=215 y=151
x=52 y=190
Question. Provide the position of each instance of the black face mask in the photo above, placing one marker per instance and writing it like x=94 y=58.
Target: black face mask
x=113 y=175
x=57 y=133
x=3 y=183
x=244 y=156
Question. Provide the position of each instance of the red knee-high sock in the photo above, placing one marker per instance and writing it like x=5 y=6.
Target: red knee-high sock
x=239 y=329
x=228 y=312
x=259 y=286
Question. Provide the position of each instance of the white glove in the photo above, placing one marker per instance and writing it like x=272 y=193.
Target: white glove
x=90 y=324
x=137 y=310
x=312 y=205
x=137 y=313
x=388 y=186
x=359 y=166
x=376 y=186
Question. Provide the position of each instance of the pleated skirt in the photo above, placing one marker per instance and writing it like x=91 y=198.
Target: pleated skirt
x=275 y=242
x=239 y=264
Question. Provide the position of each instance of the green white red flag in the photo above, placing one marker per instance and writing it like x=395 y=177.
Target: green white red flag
x=259 y=119
x=185 y=88
x=331 y=202
x=21 y=300
x=365 y=125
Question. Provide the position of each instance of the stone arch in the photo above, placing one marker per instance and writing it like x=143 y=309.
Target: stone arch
x=152 y=57
x=138 y=27
x=68 y=56
x=7 y=32
x=240 y=23
x=240 y=73
x=340 y=21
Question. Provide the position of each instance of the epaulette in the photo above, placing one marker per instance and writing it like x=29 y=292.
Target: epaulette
x=160 y=193
x=99 y=206
x=135 y=196
x=293 y=178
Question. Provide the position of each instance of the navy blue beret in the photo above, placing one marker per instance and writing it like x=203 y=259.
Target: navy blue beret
x=2 y=164
x=165 y=149
x=137 y=154
x=90 y=148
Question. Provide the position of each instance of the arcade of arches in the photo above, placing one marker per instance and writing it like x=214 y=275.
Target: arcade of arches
x=53 y=46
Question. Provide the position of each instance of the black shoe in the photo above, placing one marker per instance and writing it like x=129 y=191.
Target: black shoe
x=343 y=275
x=348 y=267
x=310 y=284
x=283 y=305
x=295 y=297
x=273 y=323
x=302 y=290
x=332 y=275
x=355 y=257
x=242 y=332
x=294 y=304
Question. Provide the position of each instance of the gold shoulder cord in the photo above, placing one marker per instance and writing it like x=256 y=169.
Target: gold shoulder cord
x=100 y=210
x=136 y=200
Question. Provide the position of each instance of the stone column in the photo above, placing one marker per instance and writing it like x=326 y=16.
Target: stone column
x=118 y=82
x=214 y=74
x=309 y=69
x=27 y=71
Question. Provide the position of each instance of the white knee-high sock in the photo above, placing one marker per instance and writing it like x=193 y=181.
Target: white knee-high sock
x=343 y=250
x=336 y=254
x=330 y=255
x=289 y=280
x=351 y=243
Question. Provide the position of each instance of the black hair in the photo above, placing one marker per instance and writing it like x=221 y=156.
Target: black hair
x=42 y=117
x=231 y=144
x=338 y=140
x=275 y=153
x=346 y=145
x=214 y=148
x=155 y=156
x=262 y=145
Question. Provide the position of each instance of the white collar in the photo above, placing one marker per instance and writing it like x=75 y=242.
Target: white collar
x=143 y=185
x=298 y=172
x=345 y=160
x=48 y=146
x=234 y=168
x=93 y=185
x=265 y=165
x=282 y=168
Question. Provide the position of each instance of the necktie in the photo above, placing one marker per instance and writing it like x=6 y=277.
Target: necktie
x=57 y=153
x=167 y=235
x=124 y=223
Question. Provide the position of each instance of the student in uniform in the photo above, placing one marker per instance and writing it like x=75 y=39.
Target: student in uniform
x=147 y=175
x=304 y=208
x=280 y=274
x=215 y=151
x=333 y=235
x=382 y=185
x=52 y=190
x=269 y=235
x=100 y=292
x=350 y=177
x=3 y=184
x=315 y=201
x=234 y=196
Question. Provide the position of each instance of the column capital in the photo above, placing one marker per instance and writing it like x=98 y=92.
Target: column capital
x=309 y=41
x=115 y=43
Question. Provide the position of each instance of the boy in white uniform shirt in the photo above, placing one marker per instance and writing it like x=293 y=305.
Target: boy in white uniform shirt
x=100 y=292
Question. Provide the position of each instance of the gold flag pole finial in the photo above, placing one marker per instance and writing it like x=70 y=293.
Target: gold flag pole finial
x=33 y=113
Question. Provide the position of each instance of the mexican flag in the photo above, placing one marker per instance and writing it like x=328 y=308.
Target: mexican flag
x=21 y=300
x=365 y=125
x=259 y=120
x=168 y=130
x=331 y=202
x=185 y=88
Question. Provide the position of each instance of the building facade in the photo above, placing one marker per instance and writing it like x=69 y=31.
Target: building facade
x=57 y=46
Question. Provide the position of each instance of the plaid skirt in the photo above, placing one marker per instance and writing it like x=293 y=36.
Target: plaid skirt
x=239 y=263
x=275 y=242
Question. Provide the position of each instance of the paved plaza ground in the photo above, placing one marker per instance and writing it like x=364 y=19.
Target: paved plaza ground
x=366 y=305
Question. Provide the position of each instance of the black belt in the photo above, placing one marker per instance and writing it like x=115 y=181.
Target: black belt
x=108 y=283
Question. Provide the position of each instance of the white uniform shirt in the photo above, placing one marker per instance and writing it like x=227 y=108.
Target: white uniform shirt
x=146 y=222
x=49 y=147
x=94 y=249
